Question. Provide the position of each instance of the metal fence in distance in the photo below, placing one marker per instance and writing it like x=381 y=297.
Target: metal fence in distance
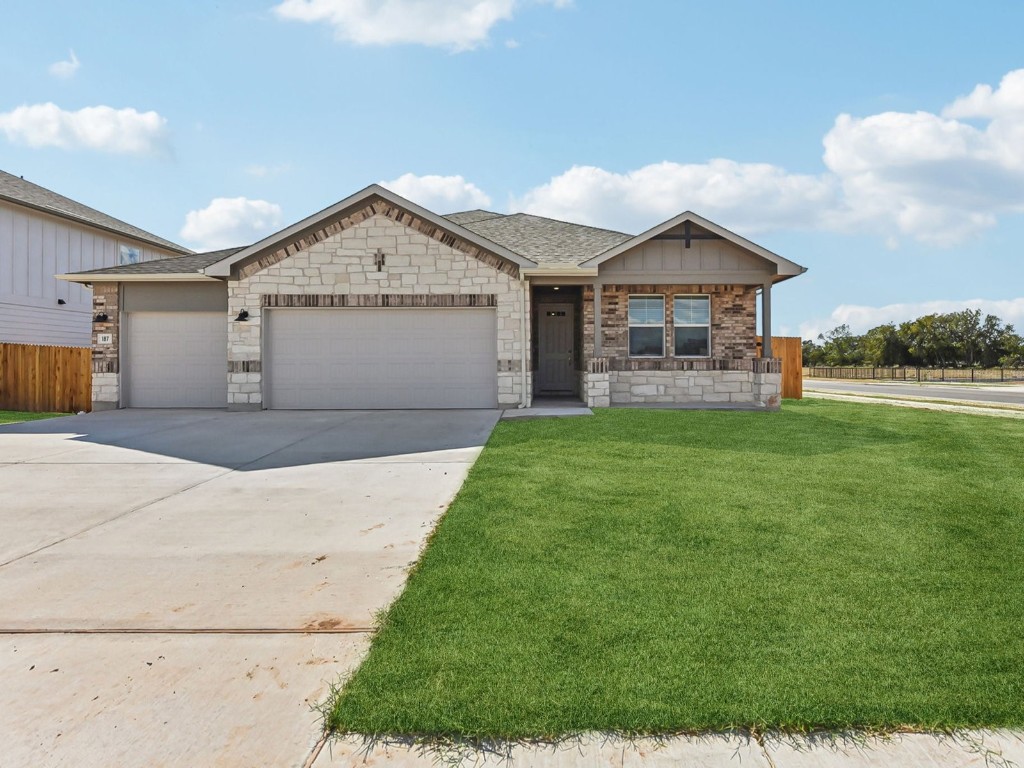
x=908 y=373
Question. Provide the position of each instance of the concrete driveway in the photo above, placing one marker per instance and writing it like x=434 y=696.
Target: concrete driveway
x=179 y=587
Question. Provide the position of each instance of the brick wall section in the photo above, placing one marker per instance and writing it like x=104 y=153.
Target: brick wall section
x=344 y=264
x=105 y=359
x=733 y=318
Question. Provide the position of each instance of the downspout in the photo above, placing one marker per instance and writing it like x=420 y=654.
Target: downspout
x=524 y=346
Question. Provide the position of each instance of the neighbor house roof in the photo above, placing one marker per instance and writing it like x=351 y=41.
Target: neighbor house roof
x=16 y=190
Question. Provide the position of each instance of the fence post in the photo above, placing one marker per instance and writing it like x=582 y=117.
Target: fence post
x=972 y=375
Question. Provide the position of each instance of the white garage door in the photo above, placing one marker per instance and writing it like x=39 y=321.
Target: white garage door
x=177 y=360
x=381 y=358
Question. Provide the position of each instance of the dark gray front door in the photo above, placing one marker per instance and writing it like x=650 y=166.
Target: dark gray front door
x=555 y=348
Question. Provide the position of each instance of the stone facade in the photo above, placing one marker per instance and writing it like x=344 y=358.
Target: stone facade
x=733 y=318
x=758 y=387
x=106 y=390
x=417 y=270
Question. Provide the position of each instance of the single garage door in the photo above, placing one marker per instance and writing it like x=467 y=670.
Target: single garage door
x=177 y=360
x=381 y=358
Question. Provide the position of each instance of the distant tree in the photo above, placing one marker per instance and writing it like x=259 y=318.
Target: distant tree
x=883 y=345
x=840 y=347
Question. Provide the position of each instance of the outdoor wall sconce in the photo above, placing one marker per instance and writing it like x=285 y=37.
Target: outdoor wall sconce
x=100 y=318
x=61 y=302
x=242 y=316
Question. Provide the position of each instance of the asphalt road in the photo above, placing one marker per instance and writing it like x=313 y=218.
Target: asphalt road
x=1012 y=394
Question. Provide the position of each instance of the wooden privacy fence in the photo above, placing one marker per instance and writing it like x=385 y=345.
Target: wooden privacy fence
x=40 y=378
x=790 y=350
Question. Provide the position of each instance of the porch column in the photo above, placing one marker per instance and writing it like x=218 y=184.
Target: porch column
x=597 y=319
x=766 y=319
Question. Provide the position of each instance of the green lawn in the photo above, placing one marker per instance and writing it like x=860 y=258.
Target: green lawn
x=13 y=417
x=834 y=565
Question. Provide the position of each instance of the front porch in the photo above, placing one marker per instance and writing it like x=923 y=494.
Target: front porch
x=583 y=346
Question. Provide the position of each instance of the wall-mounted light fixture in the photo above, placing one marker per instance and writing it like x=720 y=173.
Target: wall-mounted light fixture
x=61 y=302
x=557 y=288
x=243 y=316
x=100 y=318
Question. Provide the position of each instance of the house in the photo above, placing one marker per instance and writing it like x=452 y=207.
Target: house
x=42 y=233
x=376 y=302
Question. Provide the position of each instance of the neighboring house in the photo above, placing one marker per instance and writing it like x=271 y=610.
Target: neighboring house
x=376 y=302
x=43 y=233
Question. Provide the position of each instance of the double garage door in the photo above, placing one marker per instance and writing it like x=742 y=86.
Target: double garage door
x=380 y=358
x=320 y=359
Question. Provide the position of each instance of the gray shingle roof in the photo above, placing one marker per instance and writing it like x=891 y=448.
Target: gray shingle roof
x=464 y=217
x=546 y=241
x=17 y=190
x=174 y=265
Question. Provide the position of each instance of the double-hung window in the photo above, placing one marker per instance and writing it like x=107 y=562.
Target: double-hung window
x=691 y=318
x=646 y=326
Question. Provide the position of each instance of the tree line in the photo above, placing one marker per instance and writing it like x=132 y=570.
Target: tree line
x=953 y=340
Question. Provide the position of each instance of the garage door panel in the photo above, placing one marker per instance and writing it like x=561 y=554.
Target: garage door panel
x=381 y=358
x=177 y=360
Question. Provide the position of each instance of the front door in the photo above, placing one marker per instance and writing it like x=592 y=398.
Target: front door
x=555 y=341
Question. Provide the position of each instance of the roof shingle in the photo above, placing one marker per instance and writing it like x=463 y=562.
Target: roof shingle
x=175 y=265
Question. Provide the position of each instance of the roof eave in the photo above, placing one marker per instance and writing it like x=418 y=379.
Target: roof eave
x=151 y=277
x=223 y=267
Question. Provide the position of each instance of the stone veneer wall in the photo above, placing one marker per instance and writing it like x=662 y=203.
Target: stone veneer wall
x=106 y=390
x=758 y=387
x=733 y=318
x=345 y=264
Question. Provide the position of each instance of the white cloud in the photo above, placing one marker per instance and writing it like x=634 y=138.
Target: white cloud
x=936 y=178
x=66 y=69
x=458 y=25
x=231 y=221
x=123 y=131
x=749 y=196
x=445 y=194
x=862 y=318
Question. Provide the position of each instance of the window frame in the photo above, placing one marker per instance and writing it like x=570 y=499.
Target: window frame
x=677 y=324
x=631 y=325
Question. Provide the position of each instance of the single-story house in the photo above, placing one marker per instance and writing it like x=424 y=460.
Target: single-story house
x=376 y=302
x=43 y=233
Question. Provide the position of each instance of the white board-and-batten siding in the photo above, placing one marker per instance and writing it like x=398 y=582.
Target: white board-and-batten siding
x=34 y=247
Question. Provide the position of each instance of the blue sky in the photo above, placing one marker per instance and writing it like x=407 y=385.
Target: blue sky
x=879 y=144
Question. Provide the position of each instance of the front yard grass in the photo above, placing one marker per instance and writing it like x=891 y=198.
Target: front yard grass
x=13 y=417
x=834 y=565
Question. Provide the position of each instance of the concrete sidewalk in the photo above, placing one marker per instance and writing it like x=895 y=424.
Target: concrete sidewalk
x=977 y=748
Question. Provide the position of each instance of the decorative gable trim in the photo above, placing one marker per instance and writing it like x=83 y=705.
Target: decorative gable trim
x=372 y=201
x=390 y=211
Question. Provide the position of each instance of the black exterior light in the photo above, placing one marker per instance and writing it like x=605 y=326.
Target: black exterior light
x=61 y=302
x=100 y=318
x=242 y=316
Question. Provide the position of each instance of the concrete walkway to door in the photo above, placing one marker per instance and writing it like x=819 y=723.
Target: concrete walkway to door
x=180 y=587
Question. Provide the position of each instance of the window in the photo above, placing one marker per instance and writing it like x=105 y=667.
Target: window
x=646 y=326
x=129 y=255
x=691 y=316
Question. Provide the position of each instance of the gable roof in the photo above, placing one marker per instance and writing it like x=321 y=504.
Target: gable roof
x=360 y=200
x=546 y=241
x=16 y=190
x=786 y=268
